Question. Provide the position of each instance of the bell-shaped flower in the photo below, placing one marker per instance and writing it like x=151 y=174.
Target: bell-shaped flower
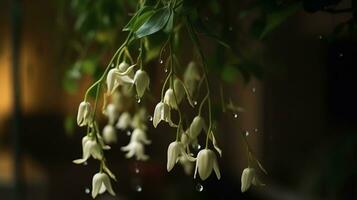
x=112 y=113
x=174 y=152
x=84 y=115
x=100 y=184
x=198 y=123
x=191 y=77
x=124 y=121
x=162 y=112
x=139 y=120
x=170 y=99
x=90 y=148
x=179 y=90
x=109 y=134
x=115 y=78
x=123 y=67
x=206 y=162
x=249 y=177
x=135 y=148
x=139 y=135
x=141 y=81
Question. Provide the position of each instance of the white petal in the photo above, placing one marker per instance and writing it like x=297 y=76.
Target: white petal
x=96 y=184
x=112 y=113
x=179 y=90
x=109 y=134
x=123 y=66
x=157 y=114
x=107 y=184
x=205 y=164
x=196 y=126
x=112 y=82
x=170 y=99
x=216 y=167
x=247 y=178
x=173 y=152
x=124 y=121
x=142 y=81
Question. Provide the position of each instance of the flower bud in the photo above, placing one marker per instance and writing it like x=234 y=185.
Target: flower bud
x=206 y=161
x=198 y=123
x=100 y=184
x=191 y=77
x=179 y=90
x=248 y=175
x=141 y=81
x=109 y=134
x=170 y=99
x=174 y=151
x=84 y=114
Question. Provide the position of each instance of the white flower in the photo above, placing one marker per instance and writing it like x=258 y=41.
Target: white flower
x=115 y=78
x=191 y=77
x=174 y=152
x=170 y=99
x=90 y=148
x=124 y=121
x=198 y=123
x=141 y=81
x=179 y=90
x=248 y=178
x=84 y=116
x=100 y=184
x=136 y=149
x=123 y=66
x=185 y=139
x=139 y=135
x=162 y=112
x=206 y=161
x=139 y=119
x=109 y=134
x=186 y=164
x=112 y=113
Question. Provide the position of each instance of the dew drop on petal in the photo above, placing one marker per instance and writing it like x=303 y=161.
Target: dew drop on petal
x=87 y=190
x=138 y=188
x=128 y=133
x=199 y=187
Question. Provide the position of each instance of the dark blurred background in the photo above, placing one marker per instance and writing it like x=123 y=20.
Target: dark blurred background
x=301 y=118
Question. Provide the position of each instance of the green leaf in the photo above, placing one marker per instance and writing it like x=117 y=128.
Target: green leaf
x=275 y=18
x=229 y=74
x=142 y=19
x=170 y=24
x=89 y=65
x=155 y=23
x=69 y=124
x=133 y=20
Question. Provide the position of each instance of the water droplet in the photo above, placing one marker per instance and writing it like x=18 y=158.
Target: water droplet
x=254 y=89
x=256 y=130
x=340 y=55
x=235 y=115
x=195 y=103
x=138 y=188
x=137 y=170
x=230 y=28
x=138 y=100
x=87 y=190
x=128 y=133
x=320 y=37
x=112 y=65
x=150 y=118
x=199 y=187
x=85 y=163
x=166 y=70
x=161 y=61
x=246 y=133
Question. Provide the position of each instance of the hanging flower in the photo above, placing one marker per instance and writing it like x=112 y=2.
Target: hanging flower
x=191 y=77
x=123 y=67
x=141 y=81
x=174 y=152
x=162 y=112
x=170 y=99
x=100 y=184
x=115 y=78
x=198 y=123
x=90 y=147
x=84 y=117
x=109 y=134
x=139 y=135
x=124 y=121
x=206 y=161
x=139 y=119
x=135 y=148
x=179 y=90
x=249 y=177
x=112 y=113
